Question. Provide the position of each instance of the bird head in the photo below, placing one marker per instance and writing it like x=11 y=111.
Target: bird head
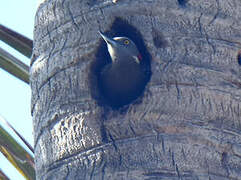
x=121 y=48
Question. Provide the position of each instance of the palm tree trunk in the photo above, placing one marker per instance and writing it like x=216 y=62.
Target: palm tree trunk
x=185 y=126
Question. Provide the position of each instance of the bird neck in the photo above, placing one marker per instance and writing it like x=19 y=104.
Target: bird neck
x=124 y=62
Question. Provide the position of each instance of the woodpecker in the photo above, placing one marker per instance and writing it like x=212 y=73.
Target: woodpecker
x=122 y=80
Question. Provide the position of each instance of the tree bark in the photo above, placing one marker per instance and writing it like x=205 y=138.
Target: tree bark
x=186 y=125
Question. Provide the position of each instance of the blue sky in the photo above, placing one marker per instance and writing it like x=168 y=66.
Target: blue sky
x=15 y=95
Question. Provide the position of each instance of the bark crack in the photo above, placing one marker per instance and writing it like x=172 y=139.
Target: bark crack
x=224 y=162
x=216 y=14
x=72 y=16
x=178 y=91
x=93 y=166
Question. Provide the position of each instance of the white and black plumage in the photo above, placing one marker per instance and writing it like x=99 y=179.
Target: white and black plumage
x=122 y=79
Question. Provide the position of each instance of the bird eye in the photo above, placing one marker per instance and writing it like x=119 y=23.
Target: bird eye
x=126 y=42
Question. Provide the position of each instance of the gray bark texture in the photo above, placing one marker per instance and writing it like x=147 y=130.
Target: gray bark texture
x=187 y=125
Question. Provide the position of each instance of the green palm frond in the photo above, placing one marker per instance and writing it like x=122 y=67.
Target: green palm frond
x=19 y=42
x=3 y=176
x=16 y=154
x=9 y=147
x=17 y=133
x=14 y=66
x=10 y=63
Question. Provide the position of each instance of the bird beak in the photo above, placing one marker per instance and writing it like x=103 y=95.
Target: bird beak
x=108 y=40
